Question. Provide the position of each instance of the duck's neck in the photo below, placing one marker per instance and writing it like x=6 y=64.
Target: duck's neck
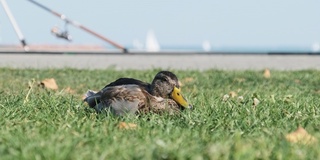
x=156 y=89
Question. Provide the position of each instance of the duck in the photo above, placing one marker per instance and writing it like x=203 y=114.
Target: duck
x=131 y=96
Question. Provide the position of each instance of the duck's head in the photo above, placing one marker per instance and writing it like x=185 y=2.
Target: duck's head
x=166 y=85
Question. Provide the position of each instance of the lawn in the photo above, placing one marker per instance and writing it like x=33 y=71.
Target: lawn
x=227 y=121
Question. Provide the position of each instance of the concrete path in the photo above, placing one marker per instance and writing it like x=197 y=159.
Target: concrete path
x=167 y=61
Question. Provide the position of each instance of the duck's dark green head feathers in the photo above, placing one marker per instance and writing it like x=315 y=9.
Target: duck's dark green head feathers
x=169 y=76
x=165 y=84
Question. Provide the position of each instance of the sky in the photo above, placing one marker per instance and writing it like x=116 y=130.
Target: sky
x=221 y=24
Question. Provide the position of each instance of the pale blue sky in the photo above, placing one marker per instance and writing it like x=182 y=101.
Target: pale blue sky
x=266 y=24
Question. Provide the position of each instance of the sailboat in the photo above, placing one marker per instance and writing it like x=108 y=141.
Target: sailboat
x=316 y=47
x=152 y=44
x=206 y=46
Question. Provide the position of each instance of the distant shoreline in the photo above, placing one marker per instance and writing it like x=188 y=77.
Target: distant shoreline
x=97 y=49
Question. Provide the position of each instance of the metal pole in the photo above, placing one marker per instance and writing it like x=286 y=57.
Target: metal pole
x=76 y=24
x=15 y=25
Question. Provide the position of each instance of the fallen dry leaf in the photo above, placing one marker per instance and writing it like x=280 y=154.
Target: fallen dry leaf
x=266 y=73
x=232 y=94
x=255 y=102
x=124 y=125
x=49 y=83
x=300 y=136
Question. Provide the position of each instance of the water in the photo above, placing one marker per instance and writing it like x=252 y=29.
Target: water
x=238 y=49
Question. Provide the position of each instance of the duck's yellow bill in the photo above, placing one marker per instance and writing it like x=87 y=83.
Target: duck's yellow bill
x=177 y=96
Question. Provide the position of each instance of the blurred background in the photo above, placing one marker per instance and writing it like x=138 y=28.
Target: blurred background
x=164 y=25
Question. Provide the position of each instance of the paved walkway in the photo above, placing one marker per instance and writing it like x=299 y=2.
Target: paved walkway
x=140 y=62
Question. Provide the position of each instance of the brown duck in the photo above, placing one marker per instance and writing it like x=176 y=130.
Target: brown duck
x=128 y=95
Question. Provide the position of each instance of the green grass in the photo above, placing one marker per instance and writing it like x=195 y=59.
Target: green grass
x=57 y=125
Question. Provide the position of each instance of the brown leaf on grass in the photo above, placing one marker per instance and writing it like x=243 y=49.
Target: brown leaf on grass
x=124 y=125
x=266 y=73
x=255 y=102
x=232 y=94
x=49 y=83
x=300 y=136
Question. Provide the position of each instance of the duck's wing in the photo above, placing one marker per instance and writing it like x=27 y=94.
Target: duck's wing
x=123 y=99
x=93 y=98
x=126 y=81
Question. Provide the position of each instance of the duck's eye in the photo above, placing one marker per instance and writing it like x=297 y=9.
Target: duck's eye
x=163 y=79
x=178 y=94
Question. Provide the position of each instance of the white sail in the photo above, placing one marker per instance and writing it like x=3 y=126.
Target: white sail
x=206 y=46
x=316 y=47
x=152 y=44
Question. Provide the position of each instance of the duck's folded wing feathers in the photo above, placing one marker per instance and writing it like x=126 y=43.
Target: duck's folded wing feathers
x=128 y=81
x=93 y=98
x=125 y=99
